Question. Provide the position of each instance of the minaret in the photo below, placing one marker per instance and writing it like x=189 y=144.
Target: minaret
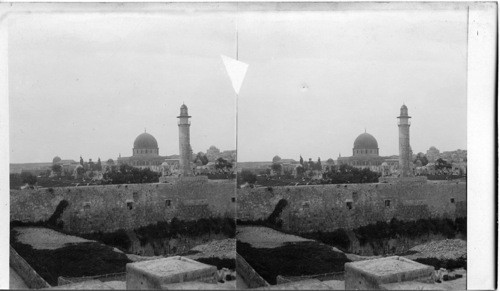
x=184 y=145
x=404 y=142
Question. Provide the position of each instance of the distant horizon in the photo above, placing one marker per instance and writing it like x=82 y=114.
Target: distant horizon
x=223 y=150
x=104 y=159
x=335 y=158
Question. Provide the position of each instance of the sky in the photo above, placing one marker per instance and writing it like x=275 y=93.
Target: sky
x=88 y=84
x=317 y=80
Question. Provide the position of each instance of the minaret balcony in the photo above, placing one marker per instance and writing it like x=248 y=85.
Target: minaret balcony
x=404 y=122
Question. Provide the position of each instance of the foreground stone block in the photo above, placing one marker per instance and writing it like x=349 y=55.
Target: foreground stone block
x=309 y=284
x=155 y=273
x=371 y=274
x=198 y=286
x=334 y=284
x=85 y=285
x=412 y=285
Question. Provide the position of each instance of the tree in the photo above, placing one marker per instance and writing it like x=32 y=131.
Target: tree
x=276 y=159
x=310 y=164
x=128 y=174
x=300 y=171
x=202 y=158
x=80 y=171
x=223 y=164
x=348 y=174
x=15 y=181
x=422 y=158
x=442 y=164
x=276 y=168
x=318 y=164
x=248 y=177
x=28 y=178
x=67 y=174
x=213 y=153
x=99 y=165
x=57 y=169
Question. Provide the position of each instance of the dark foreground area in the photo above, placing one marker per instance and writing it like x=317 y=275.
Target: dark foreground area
x=292 y=259
x=74 y=260
x=86 y=259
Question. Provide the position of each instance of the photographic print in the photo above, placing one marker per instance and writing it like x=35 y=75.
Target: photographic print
x=352 y=148
x=122 y=148
x=243 y=145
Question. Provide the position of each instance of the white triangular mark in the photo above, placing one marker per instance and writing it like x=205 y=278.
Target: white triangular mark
x=236 y=71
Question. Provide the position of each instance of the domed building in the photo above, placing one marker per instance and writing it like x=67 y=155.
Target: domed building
x=365 y=154
x=432 y=154
x=56 y=160
x=67 y=165
x=145 y=145
x=365 y=145
x=145 y=153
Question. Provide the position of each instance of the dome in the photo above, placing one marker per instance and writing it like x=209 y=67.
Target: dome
x=56 y=160
x=145 y=141
x=365 y=141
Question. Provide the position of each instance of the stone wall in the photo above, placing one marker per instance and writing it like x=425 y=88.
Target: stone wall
x=326 y=207
x=112 y=207
x=32 y=279
x=249 y=275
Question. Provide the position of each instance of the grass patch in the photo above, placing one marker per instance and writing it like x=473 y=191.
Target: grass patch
x=74 y=260
x=337 y=238
x=295 y=259
x=193 y=228
x=118 y=239
x=396 y=228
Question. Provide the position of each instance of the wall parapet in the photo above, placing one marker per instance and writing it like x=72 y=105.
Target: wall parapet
x=27 y=273
x=249 y=275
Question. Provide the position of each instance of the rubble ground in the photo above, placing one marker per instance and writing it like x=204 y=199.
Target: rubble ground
x=264 y=237
x=442 y=249
x=223 y=249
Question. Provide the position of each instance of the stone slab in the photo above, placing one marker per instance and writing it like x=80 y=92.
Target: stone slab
x=155 y=273
x=117 y=285
x=85 y=285
x=335 y=284
x=411 y=285
x=370 y=274
x=15 y=281
x=310 y=284
x=197 y=286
